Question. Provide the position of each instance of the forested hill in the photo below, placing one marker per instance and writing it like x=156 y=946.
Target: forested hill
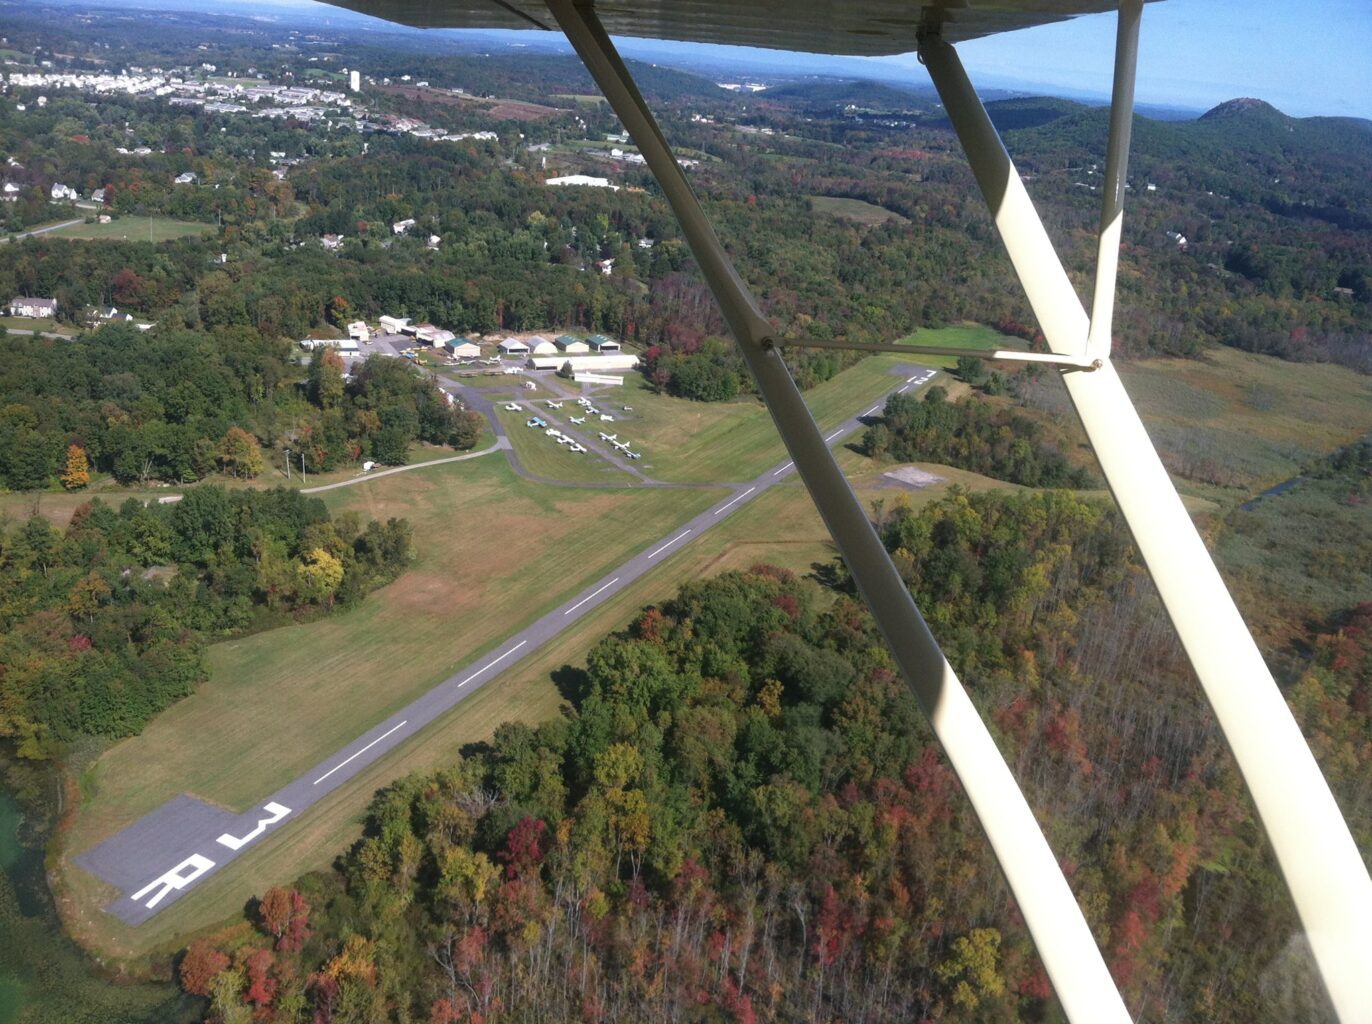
x=744 y=818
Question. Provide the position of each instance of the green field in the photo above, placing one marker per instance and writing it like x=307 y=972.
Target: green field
x=135 y=229
x=730 y=441
x=28 y=323
x=579 y=98
x=494 y=551
x=855 y=210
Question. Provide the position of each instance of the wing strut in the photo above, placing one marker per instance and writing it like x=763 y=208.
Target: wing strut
x=1328 y=880
x=1059 y=930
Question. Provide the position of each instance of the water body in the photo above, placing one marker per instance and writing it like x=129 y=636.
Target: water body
x=44 y=977
x=1281 y=488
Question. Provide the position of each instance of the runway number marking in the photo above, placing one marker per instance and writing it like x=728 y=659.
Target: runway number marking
x=276 y=811
x=735 y=500
x=358 y=754
x=668 y=544
x=590 y=595
x=176 y=878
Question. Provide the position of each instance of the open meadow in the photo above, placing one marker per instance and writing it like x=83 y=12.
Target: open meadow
x=135 y=229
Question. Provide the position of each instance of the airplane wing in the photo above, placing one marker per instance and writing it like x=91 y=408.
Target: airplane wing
x=873 y=28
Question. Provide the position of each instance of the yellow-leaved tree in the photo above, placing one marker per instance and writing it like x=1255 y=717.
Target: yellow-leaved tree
x=77 y=472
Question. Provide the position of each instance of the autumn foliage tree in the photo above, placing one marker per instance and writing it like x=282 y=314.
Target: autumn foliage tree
x=76 y=474
x=285 y=916
x=201 y=964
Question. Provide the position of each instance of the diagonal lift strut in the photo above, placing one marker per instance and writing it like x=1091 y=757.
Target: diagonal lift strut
x=1328 y=880
x=1070 y=955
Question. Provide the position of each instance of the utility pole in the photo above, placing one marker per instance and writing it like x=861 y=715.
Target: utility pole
x=302 y=467
x=288 y=462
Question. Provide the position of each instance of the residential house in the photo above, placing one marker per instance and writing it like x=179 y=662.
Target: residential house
x=60 y=192
x=434 y=241
x=23 y=305
x=331 y=243
x=402 y=226
x=188 y=178
x=98 y=196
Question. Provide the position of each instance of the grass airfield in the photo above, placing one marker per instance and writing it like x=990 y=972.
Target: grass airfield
x=489 y=543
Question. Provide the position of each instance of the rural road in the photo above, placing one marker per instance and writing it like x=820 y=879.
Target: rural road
x=45 y=230
x=165 y=854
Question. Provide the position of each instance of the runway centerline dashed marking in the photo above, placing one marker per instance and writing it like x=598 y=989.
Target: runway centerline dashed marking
x=590 y=595
x=783 y=469
x=833 y=435
x=668 y=544
x=360 y=752
x=491 y=664
x=735 y=500
x=871 y=410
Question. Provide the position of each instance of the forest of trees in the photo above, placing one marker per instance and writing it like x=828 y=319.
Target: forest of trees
x=990 y=439
x=743 y=817
x=103 y=625
x=179 y=405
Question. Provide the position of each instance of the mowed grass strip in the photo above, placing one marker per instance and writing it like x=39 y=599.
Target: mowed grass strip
x=135 y=229
x=690 y=441
x=494 y=552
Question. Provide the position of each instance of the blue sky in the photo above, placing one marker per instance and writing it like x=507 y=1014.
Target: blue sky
x=1306 y=58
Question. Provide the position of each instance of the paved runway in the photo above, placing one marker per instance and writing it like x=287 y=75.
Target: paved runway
x=164 y=855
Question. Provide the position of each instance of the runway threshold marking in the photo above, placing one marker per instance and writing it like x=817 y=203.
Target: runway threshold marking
x=491 y=664
x=590 y=595
x=735 y=500
x=668 y=544
x=783 y=469
x=359 y=753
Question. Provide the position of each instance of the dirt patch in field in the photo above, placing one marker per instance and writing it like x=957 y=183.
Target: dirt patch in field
x=911 y=478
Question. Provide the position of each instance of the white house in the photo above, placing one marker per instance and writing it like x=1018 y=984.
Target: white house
x=394 y=324
x=572 y=346
x=401 y=226
x=11 y=191
x=331 y=242
x=63 y=192
x=359 y=331
x=513 y=347
x=463 y=349
x=98 y=196
x=184 y=179
x=582 y=179
x=606 y=267
x=434 y=241
x=23 y=305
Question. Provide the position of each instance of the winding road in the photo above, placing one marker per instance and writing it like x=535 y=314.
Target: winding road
x=165 y=854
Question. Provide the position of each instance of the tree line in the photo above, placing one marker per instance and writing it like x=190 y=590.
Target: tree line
x=104 y=624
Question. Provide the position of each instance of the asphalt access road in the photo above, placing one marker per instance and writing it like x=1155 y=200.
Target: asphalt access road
x=167 y=853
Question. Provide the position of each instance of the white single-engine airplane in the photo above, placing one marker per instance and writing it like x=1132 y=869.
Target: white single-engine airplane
x=1326 y=874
